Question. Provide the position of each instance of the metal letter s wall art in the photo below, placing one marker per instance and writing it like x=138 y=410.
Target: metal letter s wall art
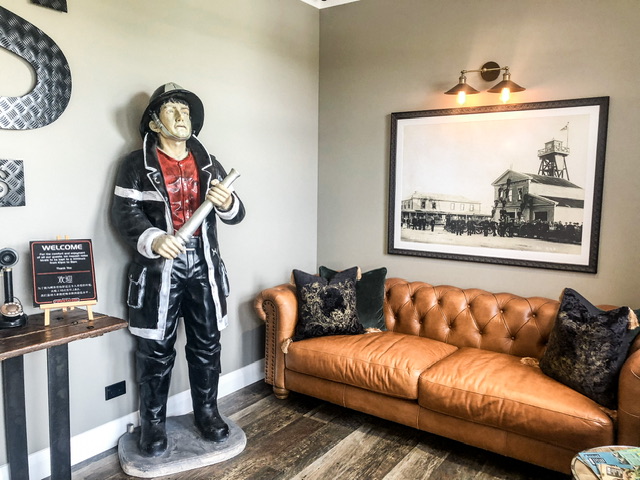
x=52 y=91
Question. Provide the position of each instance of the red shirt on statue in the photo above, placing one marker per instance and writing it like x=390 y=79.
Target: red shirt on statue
x=183 y=187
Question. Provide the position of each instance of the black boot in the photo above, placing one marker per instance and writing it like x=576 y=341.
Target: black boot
x=153 y=439
x=154 y=383
x=211 y=425
x=204 y=395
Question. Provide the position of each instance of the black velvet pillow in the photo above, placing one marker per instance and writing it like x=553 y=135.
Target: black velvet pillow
x=369 y=296
x=588 y=346
x=326 y=307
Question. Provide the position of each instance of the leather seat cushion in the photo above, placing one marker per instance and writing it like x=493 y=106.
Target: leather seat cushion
x=384 y=362
x=497 y=390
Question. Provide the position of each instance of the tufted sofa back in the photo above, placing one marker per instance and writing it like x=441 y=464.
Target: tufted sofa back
x=501 y=322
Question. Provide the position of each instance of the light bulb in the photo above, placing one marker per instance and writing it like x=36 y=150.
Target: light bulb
x=505 y=95
x=462 y=97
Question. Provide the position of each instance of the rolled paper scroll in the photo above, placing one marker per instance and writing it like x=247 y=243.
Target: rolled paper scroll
x=191 y=225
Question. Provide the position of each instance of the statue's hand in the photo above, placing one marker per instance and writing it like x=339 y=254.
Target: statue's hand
x=167 y=246
x=220 y=195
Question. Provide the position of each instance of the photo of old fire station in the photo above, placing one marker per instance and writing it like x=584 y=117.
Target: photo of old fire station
x=546 y=205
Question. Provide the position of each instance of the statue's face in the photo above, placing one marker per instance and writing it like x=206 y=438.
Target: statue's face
x=176 y=118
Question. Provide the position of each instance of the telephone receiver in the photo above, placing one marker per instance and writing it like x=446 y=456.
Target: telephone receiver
x=11 y=311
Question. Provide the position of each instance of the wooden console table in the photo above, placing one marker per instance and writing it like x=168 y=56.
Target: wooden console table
x=65 y=327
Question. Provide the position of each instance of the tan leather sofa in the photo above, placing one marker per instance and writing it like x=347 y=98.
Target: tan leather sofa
x=451 y=363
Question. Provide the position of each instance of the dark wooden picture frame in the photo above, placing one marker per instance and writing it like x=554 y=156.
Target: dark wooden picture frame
x=516 y=184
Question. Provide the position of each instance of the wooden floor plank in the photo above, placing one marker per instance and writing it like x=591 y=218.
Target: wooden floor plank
x=336 y=463
x=304 y=438
x=418 y=464
x=498 y=467
x=244 y=398
x=273 y=450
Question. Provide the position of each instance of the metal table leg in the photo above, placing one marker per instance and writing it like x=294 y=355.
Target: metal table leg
x=15 y=418
x=59 y=423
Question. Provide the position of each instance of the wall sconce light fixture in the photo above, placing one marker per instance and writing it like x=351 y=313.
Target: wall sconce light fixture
x=489 y=72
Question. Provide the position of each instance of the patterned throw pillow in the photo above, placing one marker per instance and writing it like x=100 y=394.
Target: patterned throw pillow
x=369 y=296
x=588 y=346
x=326 y=307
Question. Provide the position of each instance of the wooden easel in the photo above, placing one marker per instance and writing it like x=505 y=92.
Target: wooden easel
x=65 y=306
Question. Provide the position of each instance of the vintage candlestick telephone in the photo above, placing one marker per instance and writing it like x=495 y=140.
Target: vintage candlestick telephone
x=11 y=312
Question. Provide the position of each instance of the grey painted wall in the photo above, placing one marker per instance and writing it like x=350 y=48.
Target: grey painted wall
x=379 y=57
x=255 y=66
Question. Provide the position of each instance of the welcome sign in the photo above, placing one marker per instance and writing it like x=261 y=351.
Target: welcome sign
x=63 y=271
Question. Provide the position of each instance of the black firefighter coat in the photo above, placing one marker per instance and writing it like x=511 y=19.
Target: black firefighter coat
x=140 y=211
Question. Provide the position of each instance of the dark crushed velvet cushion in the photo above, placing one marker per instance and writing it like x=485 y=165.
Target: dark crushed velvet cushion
x=369 y=296
x=588 y=346
x=326 y=307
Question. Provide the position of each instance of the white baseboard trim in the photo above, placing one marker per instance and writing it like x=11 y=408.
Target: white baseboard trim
x=102 y=438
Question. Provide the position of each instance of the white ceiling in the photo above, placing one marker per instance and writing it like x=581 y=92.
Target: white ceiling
x=327 y=3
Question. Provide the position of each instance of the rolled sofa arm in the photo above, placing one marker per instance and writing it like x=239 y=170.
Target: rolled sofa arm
x=278 y=308
x=628 y=395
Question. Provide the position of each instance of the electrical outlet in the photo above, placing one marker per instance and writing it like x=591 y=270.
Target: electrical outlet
x=115 y=390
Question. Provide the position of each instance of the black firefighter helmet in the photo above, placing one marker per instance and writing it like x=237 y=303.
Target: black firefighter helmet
x=164 y=93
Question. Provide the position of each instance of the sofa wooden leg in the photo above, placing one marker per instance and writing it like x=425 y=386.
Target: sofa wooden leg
x=281 y=393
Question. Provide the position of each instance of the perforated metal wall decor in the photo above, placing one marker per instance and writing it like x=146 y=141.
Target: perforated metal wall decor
x=52 y=91
x=60 y=5
x=12 y=192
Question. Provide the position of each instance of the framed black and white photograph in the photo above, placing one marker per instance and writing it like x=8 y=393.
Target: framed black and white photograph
x=511 y=184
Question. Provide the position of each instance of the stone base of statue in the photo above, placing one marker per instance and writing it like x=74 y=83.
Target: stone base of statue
x=186 y=449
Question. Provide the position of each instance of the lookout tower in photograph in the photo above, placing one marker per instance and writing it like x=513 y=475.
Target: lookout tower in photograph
x=553 y=160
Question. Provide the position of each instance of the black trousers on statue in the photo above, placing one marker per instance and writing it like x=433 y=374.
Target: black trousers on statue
x=190 y=298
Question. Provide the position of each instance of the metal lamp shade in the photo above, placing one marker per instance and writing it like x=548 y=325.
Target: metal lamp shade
x=506 y=83
x=462 y=86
